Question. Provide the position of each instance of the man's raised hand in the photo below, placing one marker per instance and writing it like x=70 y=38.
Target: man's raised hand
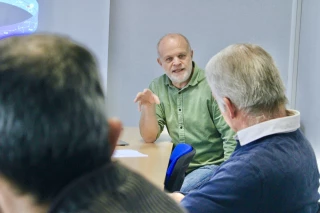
x=146 y=98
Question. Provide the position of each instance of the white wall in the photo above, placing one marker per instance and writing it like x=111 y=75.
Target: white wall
x=308 y=83
x=210 y=25
x=85 y=21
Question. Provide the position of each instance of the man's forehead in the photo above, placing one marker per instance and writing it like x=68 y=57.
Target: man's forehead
x=173 y=45
x=174 y=52
x=173 y=40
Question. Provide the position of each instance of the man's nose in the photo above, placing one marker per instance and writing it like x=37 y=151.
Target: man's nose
x=176 y=61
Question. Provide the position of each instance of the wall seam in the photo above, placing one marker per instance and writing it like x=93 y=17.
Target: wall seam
x=294 y=53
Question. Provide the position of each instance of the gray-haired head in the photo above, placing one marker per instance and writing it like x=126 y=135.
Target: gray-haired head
x=248 y=76
x=172 y=35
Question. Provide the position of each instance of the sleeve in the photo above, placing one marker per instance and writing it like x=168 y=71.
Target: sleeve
x=235 y=187
x=227 y=134
x=159 y=109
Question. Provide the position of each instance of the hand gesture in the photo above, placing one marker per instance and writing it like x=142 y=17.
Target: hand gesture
x=146 y=98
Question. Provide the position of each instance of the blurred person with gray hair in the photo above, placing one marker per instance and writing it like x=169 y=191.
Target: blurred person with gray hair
x=273 y=168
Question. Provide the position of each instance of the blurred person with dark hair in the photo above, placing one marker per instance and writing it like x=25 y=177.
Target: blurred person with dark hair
x=55 y=140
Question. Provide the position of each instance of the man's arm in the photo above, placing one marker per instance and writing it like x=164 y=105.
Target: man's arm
x=149 y=128
x=227 y=134
x=235 y=187
x=148 y=124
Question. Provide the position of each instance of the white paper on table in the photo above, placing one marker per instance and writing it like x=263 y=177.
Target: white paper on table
x=127 y=153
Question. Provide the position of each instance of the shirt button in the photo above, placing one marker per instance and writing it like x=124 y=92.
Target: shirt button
x=179 y=109
x=180 y=127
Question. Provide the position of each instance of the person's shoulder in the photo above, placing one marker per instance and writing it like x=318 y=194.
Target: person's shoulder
x=241 y=167
x=159 y=80
x=158 y=83
x=200 y=75
x=246 y=156
x=257 y=154
x=201 y=82
x=196 y=67
x=144 y=190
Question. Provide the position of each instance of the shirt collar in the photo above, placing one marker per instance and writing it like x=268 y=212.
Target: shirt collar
x=197 y=76
x=286 y=124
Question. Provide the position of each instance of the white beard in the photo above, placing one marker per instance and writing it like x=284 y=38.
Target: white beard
x=180 y=79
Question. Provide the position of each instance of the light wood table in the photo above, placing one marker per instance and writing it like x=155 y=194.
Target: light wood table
x=153 y=167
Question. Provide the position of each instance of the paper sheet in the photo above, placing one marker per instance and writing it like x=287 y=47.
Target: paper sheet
x=127 y=153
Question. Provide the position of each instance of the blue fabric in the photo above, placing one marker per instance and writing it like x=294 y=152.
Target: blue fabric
x=274 y=174
x=197 y=178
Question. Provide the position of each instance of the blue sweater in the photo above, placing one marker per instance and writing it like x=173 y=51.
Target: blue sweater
x=274 y=174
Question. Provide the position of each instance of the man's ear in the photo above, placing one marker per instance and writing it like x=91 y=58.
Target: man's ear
x=159 y=61
x=230 y=108
x=191 y=53
x=115 y=128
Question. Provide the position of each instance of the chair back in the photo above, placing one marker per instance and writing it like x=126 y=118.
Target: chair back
x=179 y=162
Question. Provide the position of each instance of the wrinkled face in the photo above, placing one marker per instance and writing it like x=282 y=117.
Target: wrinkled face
x=175 y=57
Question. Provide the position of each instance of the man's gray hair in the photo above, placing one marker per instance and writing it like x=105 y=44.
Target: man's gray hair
x=248 y=76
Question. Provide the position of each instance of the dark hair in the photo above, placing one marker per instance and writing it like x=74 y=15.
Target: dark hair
x=53 y=125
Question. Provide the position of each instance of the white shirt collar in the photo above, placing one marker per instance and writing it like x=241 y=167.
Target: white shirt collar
x=279 y=125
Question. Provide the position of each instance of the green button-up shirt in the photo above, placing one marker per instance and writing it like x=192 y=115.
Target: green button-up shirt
x=192 y=116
